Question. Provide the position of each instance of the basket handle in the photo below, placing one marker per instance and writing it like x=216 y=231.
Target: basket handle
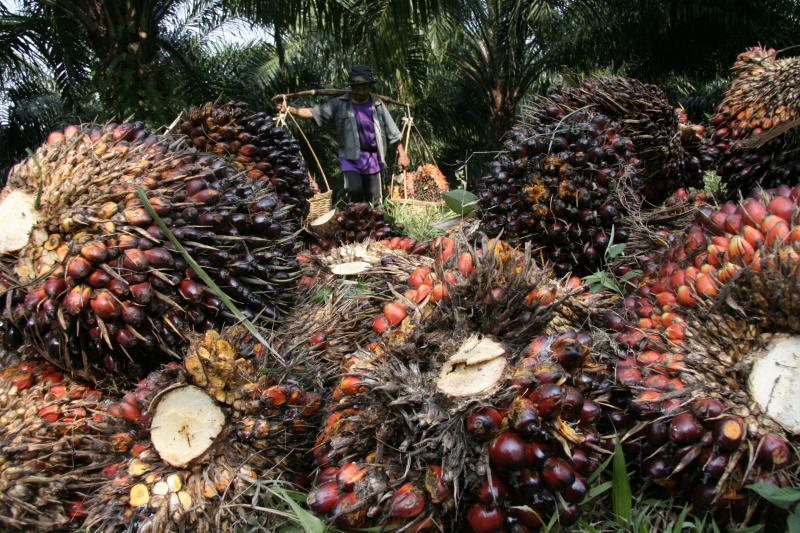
x=282 y=119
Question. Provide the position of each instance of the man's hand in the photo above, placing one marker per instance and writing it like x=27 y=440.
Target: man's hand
x=282 y=106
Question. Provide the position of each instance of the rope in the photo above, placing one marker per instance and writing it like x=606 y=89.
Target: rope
x=282 y=122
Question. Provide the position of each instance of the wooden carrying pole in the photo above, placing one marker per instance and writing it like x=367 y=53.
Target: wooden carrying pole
x=333 y=92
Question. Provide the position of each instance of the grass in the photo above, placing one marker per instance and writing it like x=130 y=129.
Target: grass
x=418 y=225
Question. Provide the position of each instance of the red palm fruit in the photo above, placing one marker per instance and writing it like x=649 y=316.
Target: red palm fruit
x=590 y=412
x=380 y=324
x=753 y=211
x=408 y=502
x=706 y=285
x=572 y=403
x=142 y=293
x=49 y=413
x=778 y=234
x=105 y=306
x=98 y=279
x=434 y=484
x=782 y=207
x=132 y=314
x=130 y=412
x=666 y=298
x=493 y=491
x=394 y=313
x=685 y=428
x=159 y=257
x=134 y=260
x=557 y=474
x=707 y=409
x=94 y=251
x=79 y=267
x=423 y=292
x=729 y=432
x=507 y=451
x=523 y=416
x=349 y=511
x=629 y=376
x=548 y=398
x=191 y=290
x=684 y=296
x=440 y=292
x=349 y=475
x=773 y=451
x=577 y=491
x=418 y=277
x=483 y=423
x=483 y=519
x=465 y=264
x=740 y=249
x=55 y=286
x=733 y=223
x=76 y=299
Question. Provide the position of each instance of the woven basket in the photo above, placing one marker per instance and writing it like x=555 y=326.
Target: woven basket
x=320 y=204
x=418 y=207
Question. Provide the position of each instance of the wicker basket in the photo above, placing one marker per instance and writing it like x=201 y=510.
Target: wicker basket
x=418 y=207
x=320 y=204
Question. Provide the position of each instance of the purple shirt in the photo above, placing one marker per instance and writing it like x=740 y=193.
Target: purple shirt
x=368 y=162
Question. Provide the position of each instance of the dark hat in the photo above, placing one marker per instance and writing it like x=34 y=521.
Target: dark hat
x=361 y=74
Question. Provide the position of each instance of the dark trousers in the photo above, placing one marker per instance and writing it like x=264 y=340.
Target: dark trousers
x=363 y=187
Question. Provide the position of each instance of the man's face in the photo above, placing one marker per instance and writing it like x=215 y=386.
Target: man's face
x=360 y=92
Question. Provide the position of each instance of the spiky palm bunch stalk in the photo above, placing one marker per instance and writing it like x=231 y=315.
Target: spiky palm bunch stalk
x=706 y=356
x=256 y=144
x=562 y=186
x=466 y=412
x=58 y=441
x=753 y=138
x=93 y=281
x=213 y=426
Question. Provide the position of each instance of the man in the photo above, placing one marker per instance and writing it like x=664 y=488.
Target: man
x=364 y=129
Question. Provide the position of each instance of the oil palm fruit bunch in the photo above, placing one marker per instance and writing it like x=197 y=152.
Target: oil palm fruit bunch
x=427 y=184
x=58 y=441
x=705 y=351
x=662 y=138
x=753 y=137
x=219 y=424
x=256 y=144
x=338 y=293
x=96 y=284
x=466 y=412
x=360 y=221
x=562 y=186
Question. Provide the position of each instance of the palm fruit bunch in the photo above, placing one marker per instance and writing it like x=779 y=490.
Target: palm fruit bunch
x=466 y=412
x=255 y=144
x=94 y=282
x=226 y=421
x=339 y=292
x=427 y=184
x=663 y=139
x=752 y=135
x=706 y=362
x=57 y=441
x=358 y=221
x=562 y=186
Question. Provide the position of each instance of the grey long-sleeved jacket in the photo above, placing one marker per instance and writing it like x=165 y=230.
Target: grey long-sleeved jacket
x=338 y=114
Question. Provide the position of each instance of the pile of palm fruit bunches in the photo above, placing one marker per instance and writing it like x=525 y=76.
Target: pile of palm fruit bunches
x=468 y=383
